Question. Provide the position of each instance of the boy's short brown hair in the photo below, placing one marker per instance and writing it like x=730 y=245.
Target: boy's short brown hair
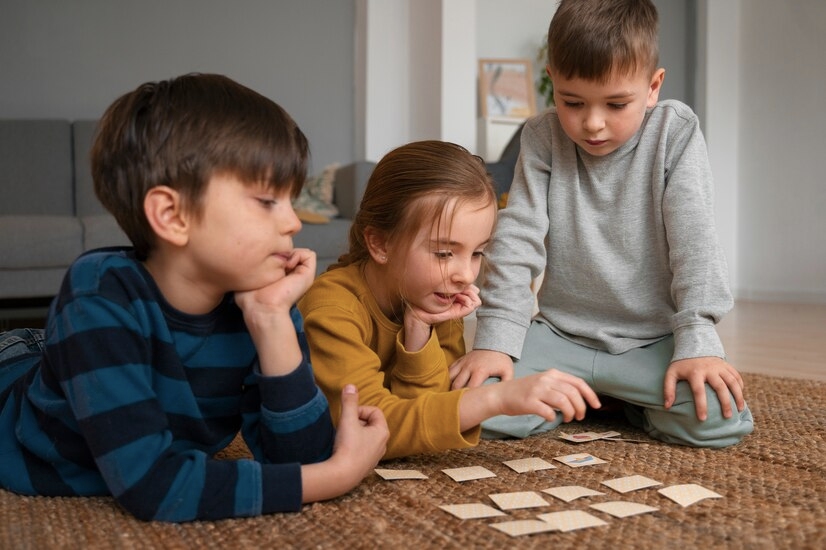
x=596 y=39
x=181 y=132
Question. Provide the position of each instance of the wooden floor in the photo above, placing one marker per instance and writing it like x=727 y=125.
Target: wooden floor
x=777 y=339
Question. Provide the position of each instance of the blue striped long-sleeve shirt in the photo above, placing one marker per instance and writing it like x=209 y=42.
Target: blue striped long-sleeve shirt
x=133 y=398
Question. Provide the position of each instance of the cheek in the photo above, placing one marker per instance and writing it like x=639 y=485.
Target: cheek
x=631 y=121
x=568 y=121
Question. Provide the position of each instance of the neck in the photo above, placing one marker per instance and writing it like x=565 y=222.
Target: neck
x=181 y=292
x=380 y=282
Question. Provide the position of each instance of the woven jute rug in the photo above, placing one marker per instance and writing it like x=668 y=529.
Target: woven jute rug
x=773 y=486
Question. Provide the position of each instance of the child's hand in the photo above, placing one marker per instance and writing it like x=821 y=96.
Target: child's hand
x=541 y=394
x=462 y=304
x=299 y=272
x=417 y=321
x=361 y=441
x=699 y=371
x=546 y=392
x=472 y=369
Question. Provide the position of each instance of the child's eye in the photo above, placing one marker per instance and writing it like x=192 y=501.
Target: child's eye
x=266 y=203
x=443 y=254
x=573 y=104
x=479 y=254
x=617 y=106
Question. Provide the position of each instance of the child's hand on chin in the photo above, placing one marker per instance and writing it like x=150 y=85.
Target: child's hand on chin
x=281 y=295
x=463 y=304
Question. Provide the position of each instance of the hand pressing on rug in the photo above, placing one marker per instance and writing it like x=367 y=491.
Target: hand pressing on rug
x=361 y=440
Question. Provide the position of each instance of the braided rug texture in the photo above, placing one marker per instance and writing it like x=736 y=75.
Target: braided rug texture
x=773 y=486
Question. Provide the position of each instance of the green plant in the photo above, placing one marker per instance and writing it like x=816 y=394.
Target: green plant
x=544 y=85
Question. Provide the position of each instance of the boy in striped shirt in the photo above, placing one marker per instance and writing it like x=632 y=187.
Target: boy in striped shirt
x=155 y=356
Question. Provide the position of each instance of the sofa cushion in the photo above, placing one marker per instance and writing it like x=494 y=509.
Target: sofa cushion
x=31 y=283
x=102 y=230
x=34 y=242
x=315 y=202
x=36 y=178
x=328 y=240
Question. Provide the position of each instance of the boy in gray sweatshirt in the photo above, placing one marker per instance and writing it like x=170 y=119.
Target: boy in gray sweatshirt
x=612 y=203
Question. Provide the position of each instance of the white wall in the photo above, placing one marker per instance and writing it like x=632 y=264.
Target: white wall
x=761 y=96
x=782 y=140
x=71 y=59
x=718 y=98
x=417 y=72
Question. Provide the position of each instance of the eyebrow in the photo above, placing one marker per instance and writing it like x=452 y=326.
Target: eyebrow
x=621 y=95
x=438 y=242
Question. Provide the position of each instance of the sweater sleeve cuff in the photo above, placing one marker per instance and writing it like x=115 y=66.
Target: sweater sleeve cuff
x=288 y=392
x=282 y=488
x=698 y=340
x=497 y=334
x=409 y=363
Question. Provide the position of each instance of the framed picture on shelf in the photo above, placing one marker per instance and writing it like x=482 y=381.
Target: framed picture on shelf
x=506 y=88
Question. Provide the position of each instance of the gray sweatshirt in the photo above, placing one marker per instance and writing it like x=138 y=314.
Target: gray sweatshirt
x=626 y=242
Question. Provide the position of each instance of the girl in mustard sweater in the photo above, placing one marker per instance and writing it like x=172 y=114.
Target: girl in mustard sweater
x=388 y=316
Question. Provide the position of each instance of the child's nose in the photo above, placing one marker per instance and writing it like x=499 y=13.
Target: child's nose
x=290 y=223
x=464 y=272
x=594 y=121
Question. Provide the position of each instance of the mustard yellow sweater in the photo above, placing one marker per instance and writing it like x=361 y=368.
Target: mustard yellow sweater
x=353 y=342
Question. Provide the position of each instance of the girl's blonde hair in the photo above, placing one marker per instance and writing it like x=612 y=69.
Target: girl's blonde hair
x=414 y=185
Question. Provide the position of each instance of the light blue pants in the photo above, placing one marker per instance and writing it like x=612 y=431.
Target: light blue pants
x=635 y=377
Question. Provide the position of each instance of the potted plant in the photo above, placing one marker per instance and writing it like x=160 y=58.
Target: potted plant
x=544 y=85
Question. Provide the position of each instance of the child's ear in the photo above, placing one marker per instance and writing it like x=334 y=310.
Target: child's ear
x=164 y=211
x=655 y=86
x=376 y=245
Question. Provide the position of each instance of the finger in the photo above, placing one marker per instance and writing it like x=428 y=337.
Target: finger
x=478 y=378
x=723 y=396
x=669 y=390
x=577 y=388
x=564 y=406
x=586 y=393
x=578 y=396
x=737 y=388
x=698 y=389
x=303 y=257
x=548 y=412
x=737 y=392
x=460 y=380
x=349 y=403
x=372 y=416
x=506 y=374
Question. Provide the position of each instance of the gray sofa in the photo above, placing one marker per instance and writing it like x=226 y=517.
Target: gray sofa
x=49 y=213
